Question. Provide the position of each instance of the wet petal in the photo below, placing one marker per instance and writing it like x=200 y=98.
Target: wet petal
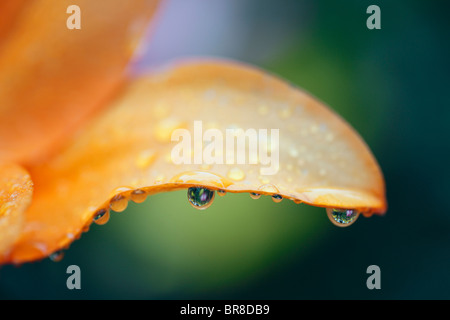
x=16 y=190
x=322 y=160
x=52 y=78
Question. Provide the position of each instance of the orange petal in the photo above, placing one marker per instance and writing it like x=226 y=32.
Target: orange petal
x=52 y=78
x=16 y=190
x=323 y=162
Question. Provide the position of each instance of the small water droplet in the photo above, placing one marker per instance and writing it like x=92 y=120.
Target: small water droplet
x=285 y=112
x=269 y=188
x=297 y=201
x=138 y=196
x=293 y=152
x=145 y=159
x=277 y=198
x=254 y=195
x=263 y=109
x=118 y=203
x=200 y=198
x=164 y=128
x=221 y=192
x=56 y=256
x=101 y=216
x=236 y=174
x=342 y=217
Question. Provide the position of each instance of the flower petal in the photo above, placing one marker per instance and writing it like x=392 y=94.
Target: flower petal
x=53 y=77
x=16 y=190
x=323 y=162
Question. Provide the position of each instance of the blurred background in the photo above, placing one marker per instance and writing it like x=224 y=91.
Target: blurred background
x=390 y=84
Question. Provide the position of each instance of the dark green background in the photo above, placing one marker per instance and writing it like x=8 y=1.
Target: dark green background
x=392 y=85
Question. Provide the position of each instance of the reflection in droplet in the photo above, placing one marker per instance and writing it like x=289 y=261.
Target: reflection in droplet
x=200 y=198
x=342 y=217
x=101 y=216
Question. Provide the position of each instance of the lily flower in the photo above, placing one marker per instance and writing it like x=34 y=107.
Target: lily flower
x=79 y=136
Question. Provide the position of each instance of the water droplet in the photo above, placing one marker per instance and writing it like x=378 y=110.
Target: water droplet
x=118 y=203
x=342 y=217
x=138 y=196
x=269 y=188
x=236 y=174
x=297 y=201
x=254 y=195
x=293 y=152
x=101 y=216
x=263 y=109
x=221 y=192
x=160 y=178
x=285 y=112
x=145 y=159
x=200 y=198
x=164 y=128
x=277 y=198
x=56 y=256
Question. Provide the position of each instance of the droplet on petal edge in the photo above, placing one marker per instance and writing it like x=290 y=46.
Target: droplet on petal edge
x=277 y=198
x=221 y=192
x=200 y=198
x=138 y=196
x=57 y=256
x=101 y=216
x=254 y=195
x=342 y=217
x=118 y=203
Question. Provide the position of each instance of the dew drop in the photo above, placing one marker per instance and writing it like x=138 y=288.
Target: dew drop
x=263 y=109
x=277 y=198
x=200 y=198
x=236 y=174
x=342 y=217
x=101 y=217
x=57 y=256
x=145 y=159
x=221 y=192
x=118 y=203
x=254 y=195
x=297 y=201
x=138 y=196
x=269 y=188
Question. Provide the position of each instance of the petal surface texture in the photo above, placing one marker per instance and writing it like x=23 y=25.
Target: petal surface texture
x=16 y=190
x=53 y=77
x=318 y=158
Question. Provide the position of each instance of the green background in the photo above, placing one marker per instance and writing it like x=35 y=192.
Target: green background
x=391 y=84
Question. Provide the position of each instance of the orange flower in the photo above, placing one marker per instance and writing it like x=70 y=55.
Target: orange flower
x=79 y=137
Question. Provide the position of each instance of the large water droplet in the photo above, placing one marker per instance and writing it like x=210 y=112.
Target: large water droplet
x=254 y=195
x=101 y=216
x=342 y=217
x=57 y=256
x=200 y=198
x=118 y=203
x=138 y=196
